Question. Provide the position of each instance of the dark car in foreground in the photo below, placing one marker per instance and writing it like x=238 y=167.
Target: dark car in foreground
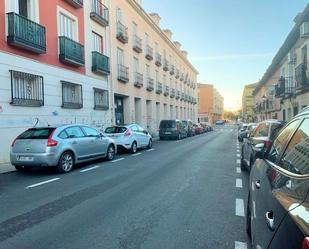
x=172 y=129
x=262 y=137
x=278 y=202
x=60 y=146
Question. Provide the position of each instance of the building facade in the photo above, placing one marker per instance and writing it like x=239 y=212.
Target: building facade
x=210 y=104
x=151 y=76
x=53 y=65
x=284 y=89
x=248 y=103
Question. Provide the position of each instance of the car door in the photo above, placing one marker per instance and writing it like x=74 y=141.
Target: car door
x=136 y=135
x=267 y=184
x=143 y=135
x=79 y=142
x=98 y=143
x=293 y=195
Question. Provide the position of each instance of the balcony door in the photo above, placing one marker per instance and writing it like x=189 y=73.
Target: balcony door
x=23 y=8
x=120 y=57
x=67 y=26
x=97 y=42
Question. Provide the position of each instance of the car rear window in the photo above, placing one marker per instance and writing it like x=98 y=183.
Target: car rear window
x=168 y=124
x=116 y=129
x=36 y=133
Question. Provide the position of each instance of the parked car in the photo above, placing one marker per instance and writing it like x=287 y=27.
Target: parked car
x=199 y=129
x=220 y=122
x=262 y=136
x=61 y=146
x=245 y=130
x=130 y=137
x=174 y=129
x=278 y=202
x=207 y=126
x=188 y=124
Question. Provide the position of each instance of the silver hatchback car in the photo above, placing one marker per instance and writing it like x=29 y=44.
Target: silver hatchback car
x=60 y=146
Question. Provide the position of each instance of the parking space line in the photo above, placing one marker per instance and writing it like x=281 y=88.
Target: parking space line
x=238 y=170
x=117 y=160
x=41 y=183
x=238 y=155
x=137 y=154
x=238 y=183
x=92 y=168
x=150 y=150
x=238 y=151
x=238 y=161
x=239 y=207
x=240 y=245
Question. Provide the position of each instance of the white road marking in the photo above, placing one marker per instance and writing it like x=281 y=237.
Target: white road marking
x=238 y=151
x=150 y=150
x=92 y=168
x=137 y=154
x=117 y=160
x=238 y=183
x=238 y=170
x=41 y=183
x=238 y=161
x=238 y=155
x=240 y=245
x=239 y=208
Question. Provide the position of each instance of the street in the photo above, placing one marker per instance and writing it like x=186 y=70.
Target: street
x=180 y=194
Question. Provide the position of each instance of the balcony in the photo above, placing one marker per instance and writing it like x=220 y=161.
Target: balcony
x=159 y=88
x=181 y=77
x=173 y=93
x=182 y=97
x=75 y=3
x=100 y=63
x=158 y=60
x=71 y=52
x=138 y=80
x=177 y=74
x=137 y=44
x=26 y=34
x=123 y=73
x=122 y=33
x=99 y=13
x=166 y=90
x=285 y=87
x=150 y=85
x=178 y=95
x=165 y=65
x=149 y=53
x=172 y=70
x=301 y=77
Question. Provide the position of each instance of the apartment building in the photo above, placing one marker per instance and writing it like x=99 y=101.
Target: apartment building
x=210 y=103
x=152 y=78
x=284 y=89
x=54 y=65
x=248 y=102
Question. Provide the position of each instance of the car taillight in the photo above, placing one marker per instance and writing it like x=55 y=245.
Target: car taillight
x=128 y=133
x=13 y=143
x=306 y=243
x=267 y=144
x=51 y=142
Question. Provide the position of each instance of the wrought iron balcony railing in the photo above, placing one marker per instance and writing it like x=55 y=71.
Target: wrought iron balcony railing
x=75 y=3
x=301 y=76
x=100 y=63
x=137 y=44
x=165 y=65
x=138 y=79
x=159 y=88
x=172 y=93
x=172 y=70
x=71 y=52
x=149 y=53
x=122 y=33
x=123 y=73
x=181 y=77
x=150 y=84
x=26 y=34
x=158 y=60
x=166 y=90
x=177 y=74
x=99 y=13
x=178 y=94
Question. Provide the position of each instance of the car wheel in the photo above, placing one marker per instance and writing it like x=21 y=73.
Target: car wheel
x=20 y=168
x=133 y=149
x=66 y=162
x=149 y=146
x=110 y=152
x=243 y=167
x=248 y=217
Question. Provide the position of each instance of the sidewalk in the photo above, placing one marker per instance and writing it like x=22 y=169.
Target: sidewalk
x=6 y=167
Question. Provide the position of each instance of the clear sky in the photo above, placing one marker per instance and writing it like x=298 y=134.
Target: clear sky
x=230 y=42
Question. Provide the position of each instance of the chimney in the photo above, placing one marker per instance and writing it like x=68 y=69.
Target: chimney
x=168 y=33
x=156 y=18
x=177 y=44
x=184 y=53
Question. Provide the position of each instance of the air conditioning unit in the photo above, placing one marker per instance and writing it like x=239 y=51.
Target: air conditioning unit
x=304 y=29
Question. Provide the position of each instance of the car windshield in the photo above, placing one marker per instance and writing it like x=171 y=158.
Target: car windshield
x=115 y=129
x=168 y=124
x=36 y=133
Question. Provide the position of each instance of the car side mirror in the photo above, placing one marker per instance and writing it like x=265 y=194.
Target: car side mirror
x=259 y=150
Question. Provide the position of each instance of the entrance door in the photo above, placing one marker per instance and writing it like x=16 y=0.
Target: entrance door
x=119 y=116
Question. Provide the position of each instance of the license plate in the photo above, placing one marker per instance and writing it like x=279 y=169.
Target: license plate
x=25 y=158
x=168 y=132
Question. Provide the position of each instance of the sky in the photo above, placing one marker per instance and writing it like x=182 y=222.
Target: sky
x=230 y=42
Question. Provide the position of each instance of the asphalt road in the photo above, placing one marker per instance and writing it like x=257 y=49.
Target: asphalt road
x=180 y=194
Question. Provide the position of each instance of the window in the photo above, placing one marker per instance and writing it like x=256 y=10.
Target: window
x=281 y=141
x=67 y=26
x=26 y=89
x=90 y=132
x=134 y=29
x=23 y=8
x=101 y=99
x=119 y=15
x=135 y=65
x=36 y=133
x=72 y=96
x=296 y=156
x=262 y=130
x=63 y=135
x=120 y=56
x=97 y=42
x=75 y=132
